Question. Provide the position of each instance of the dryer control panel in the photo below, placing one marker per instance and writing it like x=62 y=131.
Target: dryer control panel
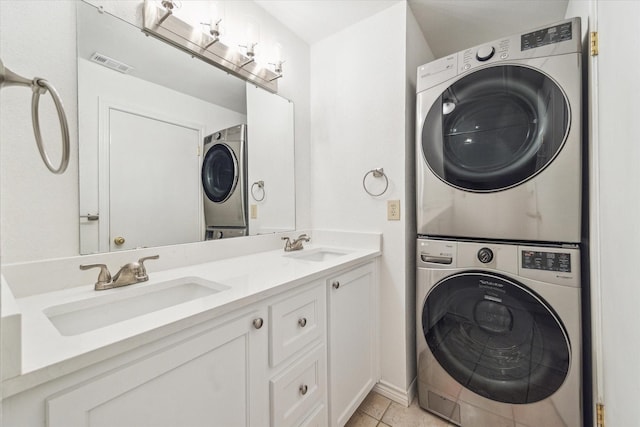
x=557 y=39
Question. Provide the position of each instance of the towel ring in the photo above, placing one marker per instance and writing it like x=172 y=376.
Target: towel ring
x=377 y=173
x=260 y=185
x=39 y=87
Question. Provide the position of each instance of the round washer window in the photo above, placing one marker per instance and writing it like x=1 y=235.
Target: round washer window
x=495 y=128
x=496 y=337
x=219 y=173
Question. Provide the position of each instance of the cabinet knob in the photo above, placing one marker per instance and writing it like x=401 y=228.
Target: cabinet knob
x=335 y=284
x=257 y=323
x=119 y=240
x=303 y=389
x=302 y=322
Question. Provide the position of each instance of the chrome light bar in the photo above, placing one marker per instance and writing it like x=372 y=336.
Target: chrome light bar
x=166 y=27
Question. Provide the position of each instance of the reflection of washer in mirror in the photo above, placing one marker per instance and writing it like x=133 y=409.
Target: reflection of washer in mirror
x=224 y=183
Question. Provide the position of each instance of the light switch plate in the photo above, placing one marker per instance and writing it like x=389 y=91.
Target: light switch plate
x=393 y=210
x=254 y=211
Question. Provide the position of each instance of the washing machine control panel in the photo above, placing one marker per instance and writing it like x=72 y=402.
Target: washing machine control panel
x=549 y=261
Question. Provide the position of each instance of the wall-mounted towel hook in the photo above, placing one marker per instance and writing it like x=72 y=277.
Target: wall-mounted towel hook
x=40 y=86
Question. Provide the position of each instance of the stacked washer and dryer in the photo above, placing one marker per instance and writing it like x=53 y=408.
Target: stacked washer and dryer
x=499 y=155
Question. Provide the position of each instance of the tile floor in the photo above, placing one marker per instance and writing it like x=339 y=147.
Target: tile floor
x=378 y=411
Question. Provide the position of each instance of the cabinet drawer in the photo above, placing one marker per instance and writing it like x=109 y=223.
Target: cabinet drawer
x=317 y=419
x=299 y=390
x=295 y=323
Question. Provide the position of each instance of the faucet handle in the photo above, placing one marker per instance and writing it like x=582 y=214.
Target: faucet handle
x=142 y=273
x=303 y=237
x=104 y=278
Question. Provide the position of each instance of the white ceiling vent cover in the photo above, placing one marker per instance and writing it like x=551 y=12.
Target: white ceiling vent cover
x=111 y=63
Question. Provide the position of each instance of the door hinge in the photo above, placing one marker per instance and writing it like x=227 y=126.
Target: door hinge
x=600 y=414
x=594 y=43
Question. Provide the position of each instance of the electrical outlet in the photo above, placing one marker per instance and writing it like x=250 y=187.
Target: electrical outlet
x=393 y=210
x=254 y=211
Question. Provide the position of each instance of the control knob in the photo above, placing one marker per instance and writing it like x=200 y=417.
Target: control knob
x=485 y=53
x=485 y=255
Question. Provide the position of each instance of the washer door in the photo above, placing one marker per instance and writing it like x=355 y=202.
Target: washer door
x=219 y=173
x=496 y=337
x=495 y=128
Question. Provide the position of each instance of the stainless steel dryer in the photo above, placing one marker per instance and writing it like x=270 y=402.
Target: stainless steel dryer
x=224 y=183
x=499 y=340
x=499 y=139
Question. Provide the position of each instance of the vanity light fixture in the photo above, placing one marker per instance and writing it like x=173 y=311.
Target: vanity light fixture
x=163 y=24
x=214 y=31
x=277 y=64
x=251 y=53
x=277 y=68
x=214 y=26
x=168 y=8
x=252 y=39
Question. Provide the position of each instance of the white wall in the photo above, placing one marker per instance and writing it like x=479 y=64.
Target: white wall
x=359 y=113
x=618 y=209
x=39 y=211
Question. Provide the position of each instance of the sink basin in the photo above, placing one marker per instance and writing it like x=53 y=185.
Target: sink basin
x=119 y=304
x=318 y=255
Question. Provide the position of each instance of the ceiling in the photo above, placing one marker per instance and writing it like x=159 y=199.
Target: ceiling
x=448 y=25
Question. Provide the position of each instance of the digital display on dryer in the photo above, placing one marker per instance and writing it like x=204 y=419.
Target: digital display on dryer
x=549 y=261
x=550 y=35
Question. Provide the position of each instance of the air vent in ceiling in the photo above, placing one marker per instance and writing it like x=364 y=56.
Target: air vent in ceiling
x=111 y=63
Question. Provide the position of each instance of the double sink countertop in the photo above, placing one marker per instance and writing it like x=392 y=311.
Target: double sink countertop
x=67 y=329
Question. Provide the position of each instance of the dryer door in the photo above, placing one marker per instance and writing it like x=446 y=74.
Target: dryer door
x=496 y=337
x=495 y=128
x=219 y=173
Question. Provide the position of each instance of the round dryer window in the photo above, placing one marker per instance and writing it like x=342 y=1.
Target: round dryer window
x=495 y=128
x=219 y=173
x=496 y=337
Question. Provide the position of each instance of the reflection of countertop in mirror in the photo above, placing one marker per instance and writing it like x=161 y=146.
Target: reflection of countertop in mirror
x=245 y=279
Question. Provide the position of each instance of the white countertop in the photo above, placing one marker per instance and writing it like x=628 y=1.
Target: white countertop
x=47 y=354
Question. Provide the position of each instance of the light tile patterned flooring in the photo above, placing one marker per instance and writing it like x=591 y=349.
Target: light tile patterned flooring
x=378 y=411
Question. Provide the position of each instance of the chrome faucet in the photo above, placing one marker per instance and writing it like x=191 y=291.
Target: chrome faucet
x=296 y=245
x=133 y=272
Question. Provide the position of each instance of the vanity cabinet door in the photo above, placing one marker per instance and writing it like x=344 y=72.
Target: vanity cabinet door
x=352 y=341
x=215 y=378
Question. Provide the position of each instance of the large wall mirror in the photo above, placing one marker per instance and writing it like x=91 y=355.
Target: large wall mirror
x=170 y=147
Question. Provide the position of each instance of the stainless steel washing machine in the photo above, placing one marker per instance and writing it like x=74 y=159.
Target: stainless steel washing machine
x=224 y=183
x=499 y=141
x=498 y=340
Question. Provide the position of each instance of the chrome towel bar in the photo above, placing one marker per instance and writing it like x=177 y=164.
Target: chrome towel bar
x=40 y=86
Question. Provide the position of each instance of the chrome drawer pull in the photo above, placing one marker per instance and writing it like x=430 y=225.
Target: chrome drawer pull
x=302 y=322
x=303 y=389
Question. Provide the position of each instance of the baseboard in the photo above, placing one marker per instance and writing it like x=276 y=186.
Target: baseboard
x=403 y=397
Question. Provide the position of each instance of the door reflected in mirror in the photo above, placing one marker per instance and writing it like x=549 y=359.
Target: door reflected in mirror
x=145 y=109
